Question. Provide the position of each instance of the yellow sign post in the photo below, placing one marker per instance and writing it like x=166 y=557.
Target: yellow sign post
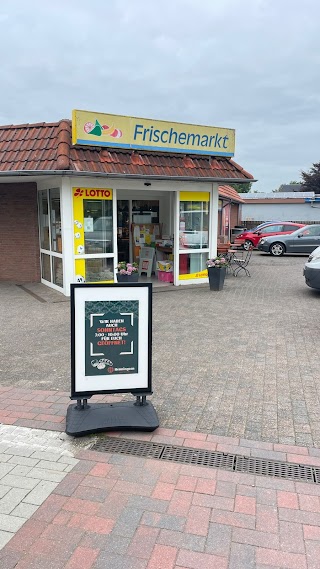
x=97 y=129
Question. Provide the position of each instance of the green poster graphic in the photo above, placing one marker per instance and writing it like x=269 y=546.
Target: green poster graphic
x=111 y=337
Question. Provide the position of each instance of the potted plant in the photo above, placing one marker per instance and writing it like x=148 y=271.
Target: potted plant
x=127 y=272
x=217 y=268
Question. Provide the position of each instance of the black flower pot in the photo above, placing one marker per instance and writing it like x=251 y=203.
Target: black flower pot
x=133 y=278
x=216 y=277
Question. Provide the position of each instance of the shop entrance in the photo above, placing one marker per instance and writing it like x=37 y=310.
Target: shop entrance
x=175 y=224
x=144 y=227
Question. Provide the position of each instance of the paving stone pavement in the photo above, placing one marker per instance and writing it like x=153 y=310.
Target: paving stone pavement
x=113 y=511
x=235 y=371
x=32 y=463
x=240 y=362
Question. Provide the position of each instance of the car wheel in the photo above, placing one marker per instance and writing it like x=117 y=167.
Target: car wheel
x=277 y=249
x=247 y=244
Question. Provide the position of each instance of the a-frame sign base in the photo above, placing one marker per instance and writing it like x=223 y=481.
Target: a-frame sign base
x=87 y=418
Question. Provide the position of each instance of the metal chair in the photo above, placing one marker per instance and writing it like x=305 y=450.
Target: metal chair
x=241 y=264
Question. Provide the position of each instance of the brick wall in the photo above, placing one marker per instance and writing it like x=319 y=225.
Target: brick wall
x=19 y=238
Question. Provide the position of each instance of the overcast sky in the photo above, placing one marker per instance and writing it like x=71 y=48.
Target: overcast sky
x=252 y=65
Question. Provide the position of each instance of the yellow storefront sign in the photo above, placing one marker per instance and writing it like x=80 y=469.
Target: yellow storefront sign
x=199 y=275
x=98 y=129
x=81 y=224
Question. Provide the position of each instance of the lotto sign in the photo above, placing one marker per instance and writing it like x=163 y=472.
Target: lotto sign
x=111 y=338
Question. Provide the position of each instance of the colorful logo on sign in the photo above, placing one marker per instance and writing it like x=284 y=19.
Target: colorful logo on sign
x=91 y=193
x=97 y=129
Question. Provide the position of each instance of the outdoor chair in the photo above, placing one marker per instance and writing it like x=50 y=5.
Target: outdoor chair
x=242 y=263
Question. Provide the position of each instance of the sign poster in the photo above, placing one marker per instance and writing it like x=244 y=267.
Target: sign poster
x=111 y=331
x=88 y=224
x=111 y=337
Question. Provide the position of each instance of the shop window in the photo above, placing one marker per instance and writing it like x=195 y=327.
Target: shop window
x=44 y=220
x=57 y=271
x=50 y=236
x=194 y=225
x=45 y=267
x=55 y=220
x=99 y=269
x=98 y=226
x=191 y=263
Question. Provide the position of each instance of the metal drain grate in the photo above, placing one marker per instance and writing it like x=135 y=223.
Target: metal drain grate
x=213 y=459
x=275 y=468
x=133 y=447
x=198 y=457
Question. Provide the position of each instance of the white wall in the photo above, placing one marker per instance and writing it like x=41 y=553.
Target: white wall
x=280 y=211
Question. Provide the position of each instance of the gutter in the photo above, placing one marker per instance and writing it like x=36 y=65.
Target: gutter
x=73 y=173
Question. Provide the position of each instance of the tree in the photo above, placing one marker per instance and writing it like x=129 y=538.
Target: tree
x=311 y=179
x=242 y=188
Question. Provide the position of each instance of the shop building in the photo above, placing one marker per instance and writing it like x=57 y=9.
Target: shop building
x=77 y=196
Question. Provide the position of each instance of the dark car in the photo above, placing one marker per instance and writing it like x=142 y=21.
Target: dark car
x=304 y=240
x=252 y=238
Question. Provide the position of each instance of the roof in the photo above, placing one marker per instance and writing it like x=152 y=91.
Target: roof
x=277 y=197
x=44 y=147
x=290 y=188
x=231 y=194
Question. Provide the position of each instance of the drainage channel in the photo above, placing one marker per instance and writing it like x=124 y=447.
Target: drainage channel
x=211 y=459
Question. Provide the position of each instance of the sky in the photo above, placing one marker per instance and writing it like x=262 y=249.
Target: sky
x=251 y=65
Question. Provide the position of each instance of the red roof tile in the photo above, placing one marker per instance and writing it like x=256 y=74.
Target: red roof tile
x=231 y=194
x=48 y=147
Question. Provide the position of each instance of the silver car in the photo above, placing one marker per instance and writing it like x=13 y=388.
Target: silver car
x=311 y=270
x=304 y=240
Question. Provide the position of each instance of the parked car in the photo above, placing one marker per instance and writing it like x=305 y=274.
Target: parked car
x=253 y=236
x=257 y=227
x=311 y=270
x=304 y=240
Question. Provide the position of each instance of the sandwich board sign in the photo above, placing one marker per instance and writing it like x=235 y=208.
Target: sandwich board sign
x=111 y=338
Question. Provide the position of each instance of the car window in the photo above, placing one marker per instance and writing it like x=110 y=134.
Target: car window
x=289 y=228
x=312 y=231
x=272 y=229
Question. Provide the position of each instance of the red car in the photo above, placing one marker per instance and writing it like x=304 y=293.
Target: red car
x=252 y=238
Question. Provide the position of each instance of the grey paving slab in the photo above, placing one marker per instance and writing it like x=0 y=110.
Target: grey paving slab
x=25 y=483
x=40 y=492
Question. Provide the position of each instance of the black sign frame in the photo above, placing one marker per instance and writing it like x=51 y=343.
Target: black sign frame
x=74 y=287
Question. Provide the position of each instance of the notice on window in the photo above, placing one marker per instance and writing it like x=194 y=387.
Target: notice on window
x=88 y=224
x=111 y=337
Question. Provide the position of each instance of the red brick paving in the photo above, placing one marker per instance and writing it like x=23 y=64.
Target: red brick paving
x=113 y=511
